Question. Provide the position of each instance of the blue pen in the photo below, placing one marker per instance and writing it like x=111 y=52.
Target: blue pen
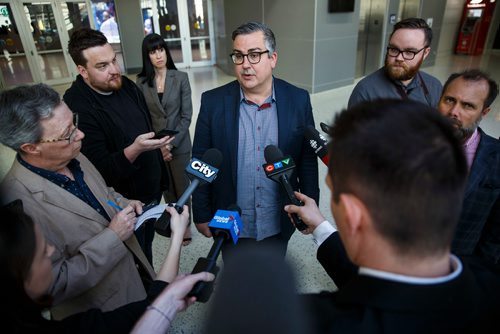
x=114 y=205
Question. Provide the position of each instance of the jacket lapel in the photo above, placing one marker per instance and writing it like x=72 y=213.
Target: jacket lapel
x=57 y=196
x=231 y=117
x=284 y=108
x=170 y=82
x=480 y=164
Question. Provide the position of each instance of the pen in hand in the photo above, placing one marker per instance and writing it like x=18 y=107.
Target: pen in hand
x=114 y=205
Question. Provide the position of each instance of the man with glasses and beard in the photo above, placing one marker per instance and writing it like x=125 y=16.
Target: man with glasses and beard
x=466 y=99
x=400 y=78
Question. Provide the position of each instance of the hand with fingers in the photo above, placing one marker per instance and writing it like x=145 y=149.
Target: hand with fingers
x=123 y=222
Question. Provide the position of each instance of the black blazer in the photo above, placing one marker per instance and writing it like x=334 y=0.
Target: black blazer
x=217 y=127
x=364 y=304
x=478 y=230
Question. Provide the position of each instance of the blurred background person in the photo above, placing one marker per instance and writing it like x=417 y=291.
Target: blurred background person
x=168 y=96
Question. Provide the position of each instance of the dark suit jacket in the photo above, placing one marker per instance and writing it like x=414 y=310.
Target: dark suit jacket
x=217 y=127
x=478 y=230
x=366 y=304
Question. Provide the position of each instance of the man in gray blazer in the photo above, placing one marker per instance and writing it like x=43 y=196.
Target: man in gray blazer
x=97 y=262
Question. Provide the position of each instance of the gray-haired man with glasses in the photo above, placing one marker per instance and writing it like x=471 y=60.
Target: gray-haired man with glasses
x=95 y=248
x=401 y=78
x=240 y=119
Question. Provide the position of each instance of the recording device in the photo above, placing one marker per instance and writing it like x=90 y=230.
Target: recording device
x=165 y=132
x=200 y=172
x=318 y=143
x=225 y=225
x=279 y=168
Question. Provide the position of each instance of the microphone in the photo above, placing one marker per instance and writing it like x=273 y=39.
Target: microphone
x=318 y=143
x=200 y=172
x=225 y=225
x=279 y=168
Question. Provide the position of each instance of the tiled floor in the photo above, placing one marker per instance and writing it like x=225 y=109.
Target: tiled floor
x=310 y=277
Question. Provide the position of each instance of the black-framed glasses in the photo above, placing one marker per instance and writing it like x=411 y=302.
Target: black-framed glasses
x=69 y=137
x=253 y=57
x=407 y=54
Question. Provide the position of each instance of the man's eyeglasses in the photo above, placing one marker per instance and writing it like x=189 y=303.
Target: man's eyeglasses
x=407 y=54
x=253 y=57
x=69 y=137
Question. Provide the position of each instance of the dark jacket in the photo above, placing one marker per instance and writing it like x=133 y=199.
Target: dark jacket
x=105 y=141
x=468 y=303
x=478 y=230
x=217 y=127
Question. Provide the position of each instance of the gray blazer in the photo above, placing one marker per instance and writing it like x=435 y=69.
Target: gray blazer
x=175 y=109
x=92 y=267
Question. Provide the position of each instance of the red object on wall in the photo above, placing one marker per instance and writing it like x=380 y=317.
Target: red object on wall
x=474 y=26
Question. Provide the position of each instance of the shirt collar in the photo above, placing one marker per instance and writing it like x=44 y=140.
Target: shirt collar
x=243 y=99
x=456 y=266
x=73 y=165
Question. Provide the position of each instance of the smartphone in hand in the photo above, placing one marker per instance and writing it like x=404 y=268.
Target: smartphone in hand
x=165 y=132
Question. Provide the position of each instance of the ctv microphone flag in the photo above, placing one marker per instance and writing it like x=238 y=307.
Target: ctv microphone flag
x=279 y=169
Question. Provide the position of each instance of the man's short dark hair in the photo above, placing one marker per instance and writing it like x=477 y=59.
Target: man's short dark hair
x=403 y=161
x=83 y=39
x=476 y=75
x=415 y=23
x=251 y=27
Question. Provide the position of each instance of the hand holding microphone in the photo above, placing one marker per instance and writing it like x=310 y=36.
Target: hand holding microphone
x=279 y=169
x=309 y=212
x=225 y=225
x=200 y=172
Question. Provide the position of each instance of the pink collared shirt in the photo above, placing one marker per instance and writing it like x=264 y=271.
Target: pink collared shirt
x=470 y=147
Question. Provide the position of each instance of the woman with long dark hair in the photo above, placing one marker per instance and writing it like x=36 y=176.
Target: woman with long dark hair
x=168 y=96
x=27 y=277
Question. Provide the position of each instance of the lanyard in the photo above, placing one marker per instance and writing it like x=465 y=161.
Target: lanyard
x=404 y=95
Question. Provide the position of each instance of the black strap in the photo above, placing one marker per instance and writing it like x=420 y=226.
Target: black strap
x=404 y=95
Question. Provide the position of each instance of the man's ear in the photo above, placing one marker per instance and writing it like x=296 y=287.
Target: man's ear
x=83 y=71
x=30 y=148
x=427 y=52
x=354 y=211
x=485 y=111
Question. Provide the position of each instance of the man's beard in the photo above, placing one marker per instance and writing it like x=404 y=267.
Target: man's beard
x=109 y=86
x=464 y=133
x=403 y=73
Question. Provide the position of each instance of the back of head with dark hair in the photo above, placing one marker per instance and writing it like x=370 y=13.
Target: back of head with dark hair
x=17 y=250
x=476 y=75
x=21 y=110
x=83 y=39
x=403 y=161
x=415 y=23
x=251 y=27
x=256 y=294
x=150 y=43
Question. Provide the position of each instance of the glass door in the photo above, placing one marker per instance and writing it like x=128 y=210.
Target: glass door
x=14 y=66
x=46 y=37
x=185 y=26
x=33 y=40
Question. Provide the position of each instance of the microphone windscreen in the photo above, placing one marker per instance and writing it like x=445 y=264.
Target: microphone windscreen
x=272 y=154
x=213 y=157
